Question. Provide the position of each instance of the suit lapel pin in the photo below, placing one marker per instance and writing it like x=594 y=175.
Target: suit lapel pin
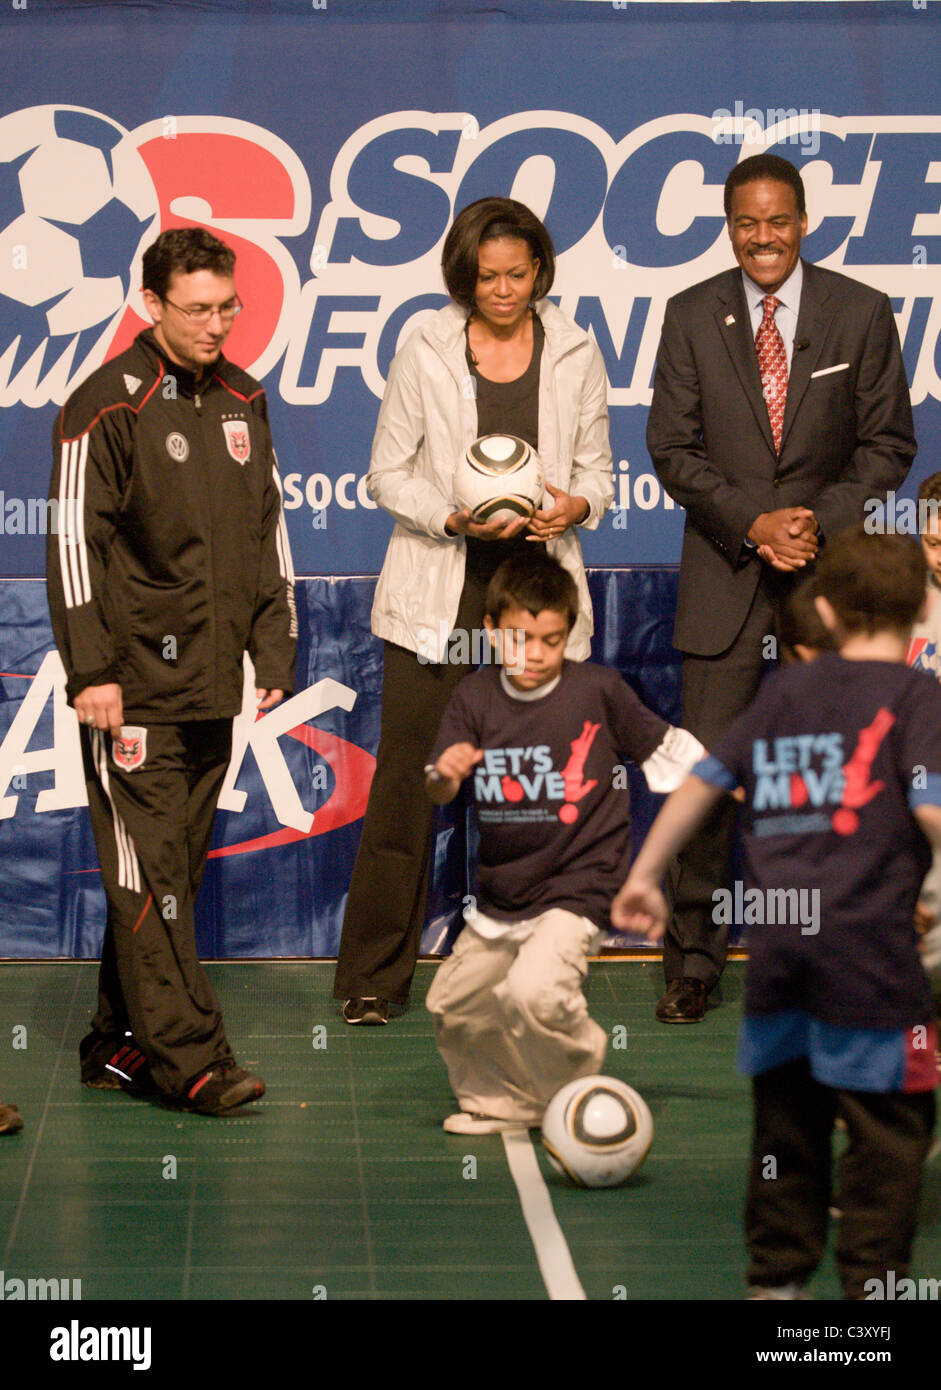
x=729 y=320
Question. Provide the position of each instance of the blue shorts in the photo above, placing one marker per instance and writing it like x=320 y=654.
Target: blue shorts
x=850 y=1059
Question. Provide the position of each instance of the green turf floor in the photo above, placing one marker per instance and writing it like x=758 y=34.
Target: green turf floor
x=341 y=1182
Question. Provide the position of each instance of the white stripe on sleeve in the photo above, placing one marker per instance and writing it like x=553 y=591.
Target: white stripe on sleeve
x=80 y=520
x=73 y=550
x=65 y=526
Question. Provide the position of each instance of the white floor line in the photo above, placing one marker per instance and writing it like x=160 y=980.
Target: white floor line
x=552 y=1252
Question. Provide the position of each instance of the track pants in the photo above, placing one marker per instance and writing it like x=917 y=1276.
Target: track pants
x=789 y=1188
x=152 y=829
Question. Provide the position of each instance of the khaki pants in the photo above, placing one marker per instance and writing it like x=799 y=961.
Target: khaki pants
x=511 y=1022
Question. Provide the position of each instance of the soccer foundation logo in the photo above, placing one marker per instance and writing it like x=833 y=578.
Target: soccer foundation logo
x=76 y=204
x=633 y=220
x=81 y=198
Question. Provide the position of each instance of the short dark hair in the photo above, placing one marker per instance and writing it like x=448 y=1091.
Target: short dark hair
x=930 y=490
x=765 y=166
x=487 y=220
x=184 y=250
x=533 y=582
x=799 y=623
x=929 y=505
x=873 y=582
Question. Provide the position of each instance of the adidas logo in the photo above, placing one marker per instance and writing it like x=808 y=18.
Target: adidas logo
x=131 y=383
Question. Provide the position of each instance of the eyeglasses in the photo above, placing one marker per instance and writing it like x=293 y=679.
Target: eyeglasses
x=227 y=312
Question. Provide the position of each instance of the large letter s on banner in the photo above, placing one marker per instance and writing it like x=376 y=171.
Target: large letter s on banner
x=248 y=187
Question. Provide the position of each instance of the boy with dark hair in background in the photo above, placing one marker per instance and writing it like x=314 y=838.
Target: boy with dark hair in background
x=840 y=759
x=801 y=633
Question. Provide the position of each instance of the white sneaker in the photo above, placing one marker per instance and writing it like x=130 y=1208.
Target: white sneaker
x=466 y=1122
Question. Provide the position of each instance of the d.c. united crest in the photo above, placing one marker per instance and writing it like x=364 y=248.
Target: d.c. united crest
x=238 y=440
x=129 y=749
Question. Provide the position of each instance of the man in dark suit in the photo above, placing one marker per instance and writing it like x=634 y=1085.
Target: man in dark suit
x=780 y=405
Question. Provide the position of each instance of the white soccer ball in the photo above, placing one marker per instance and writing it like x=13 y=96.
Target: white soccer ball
x=77 y=205
x=499 y=478
x=597 y=1131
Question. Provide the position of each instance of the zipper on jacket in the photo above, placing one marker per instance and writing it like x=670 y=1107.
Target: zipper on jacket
x=206 y=454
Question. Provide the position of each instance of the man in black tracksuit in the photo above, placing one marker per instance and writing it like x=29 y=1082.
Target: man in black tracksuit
x=169 y=561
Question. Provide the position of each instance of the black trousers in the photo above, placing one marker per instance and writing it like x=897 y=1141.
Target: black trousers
x=716 y=690
x=789 y=1185
x=385 y=907
x=152 y=829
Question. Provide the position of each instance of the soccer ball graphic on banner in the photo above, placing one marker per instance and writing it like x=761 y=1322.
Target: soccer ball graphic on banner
x=499 y=478
x=76 y=202
x=597 y=1131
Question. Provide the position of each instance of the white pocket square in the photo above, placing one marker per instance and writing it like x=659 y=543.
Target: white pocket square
x=825 y=371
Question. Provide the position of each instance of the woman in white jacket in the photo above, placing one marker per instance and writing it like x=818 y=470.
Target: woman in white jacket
x=499 y=359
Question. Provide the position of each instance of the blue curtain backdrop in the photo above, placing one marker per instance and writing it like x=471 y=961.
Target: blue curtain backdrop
x=331 y=144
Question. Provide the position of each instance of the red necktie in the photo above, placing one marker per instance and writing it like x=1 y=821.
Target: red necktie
x=772 y=364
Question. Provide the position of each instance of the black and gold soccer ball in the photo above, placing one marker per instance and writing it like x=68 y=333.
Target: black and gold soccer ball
x=499 y=477
x=597 y=1131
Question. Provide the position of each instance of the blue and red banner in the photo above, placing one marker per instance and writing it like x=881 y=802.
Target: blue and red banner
x=331 y=144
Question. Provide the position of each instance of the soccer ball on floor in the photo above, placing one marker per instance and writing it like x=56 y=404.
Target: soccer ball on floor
x=597 y=1131
x=499 y=478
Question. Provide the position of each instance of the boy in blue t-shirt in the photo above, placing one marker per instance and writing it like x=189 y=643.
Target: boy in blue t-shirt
x=840 y=761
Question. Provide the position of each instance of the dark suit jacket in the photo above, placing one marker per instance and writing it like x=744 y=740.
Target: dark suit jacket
x=847 y=432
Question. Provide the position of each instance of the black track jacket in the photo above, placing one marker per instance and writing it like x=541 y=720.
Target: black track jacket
x=170 y=555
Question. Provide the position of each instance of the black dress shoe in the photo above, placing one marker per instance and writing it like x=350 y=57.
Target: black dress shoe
x=683 y=1002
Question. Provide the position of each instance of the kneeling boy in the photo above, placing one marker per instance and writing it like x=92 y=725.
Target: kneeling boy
x=546 y=740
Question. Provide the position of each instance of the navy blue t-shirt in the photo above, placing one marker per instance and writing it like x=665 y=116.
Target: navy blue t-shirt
x=833 y=756
x=553 y=811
